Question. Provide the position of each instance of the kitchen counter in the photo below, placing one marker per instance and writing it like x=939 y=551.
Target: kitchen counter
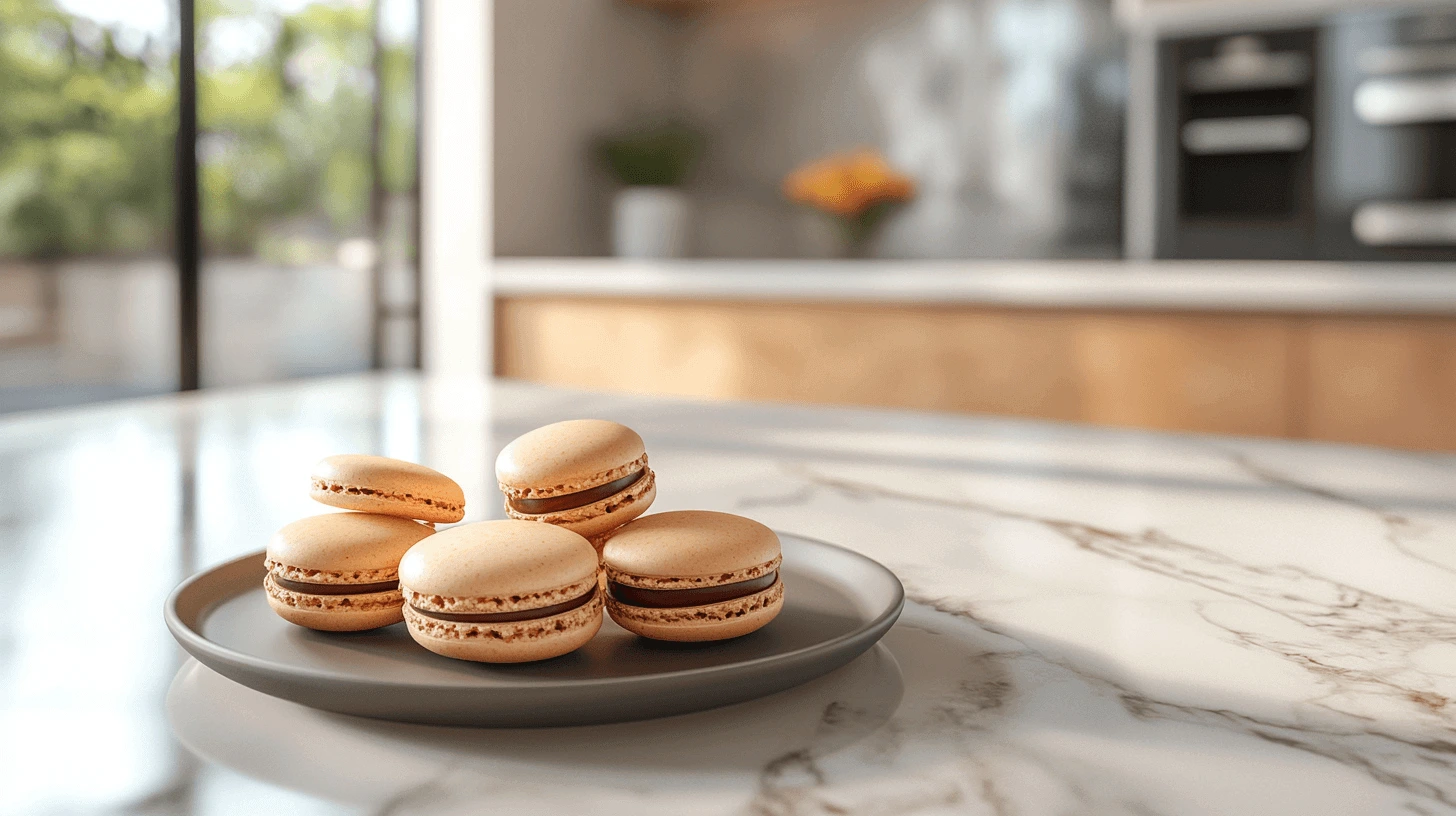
x=1100 y=621
x=1191 y=17
x=1207 y=286
x=1362 y=353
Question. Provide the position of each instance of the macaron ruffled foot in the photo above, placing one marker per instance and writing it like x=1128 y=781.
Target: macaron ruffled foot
x=502 y=592
x=693 y=575
x=391 y=487
x=589 y=476
x=339 y=572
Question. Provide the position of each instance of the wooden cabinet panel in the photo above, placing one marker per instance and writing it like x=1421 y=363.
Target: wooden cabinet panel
x=1192 y=373
x=993 y=362
x=1374 y=381
x=612 y=345
x=1383 y=381
x=1186 y=372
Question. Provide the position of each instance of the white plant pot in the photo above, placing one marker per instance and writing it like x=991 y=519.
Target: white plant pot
x=650 y=222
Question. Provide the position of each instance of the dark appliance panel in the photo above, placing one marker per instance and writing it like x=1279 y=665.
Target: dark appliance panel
x=1236 y=146
x=1387 y=183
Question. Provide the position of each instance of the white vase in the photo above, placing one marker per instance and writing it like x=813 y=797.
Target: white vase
x=650 y=222
x=817 y=235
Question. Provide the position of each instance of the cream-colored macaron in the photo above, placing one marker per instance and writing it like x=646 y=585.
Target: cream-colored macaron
x=502 y=592
x=339 y=572
x=587 y=475
x=392 y=487
x=693 y=575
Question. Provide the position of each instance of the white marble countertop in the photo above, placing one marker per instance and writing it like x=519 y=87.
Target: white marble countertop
x=1100 y=621
x=1220 y=286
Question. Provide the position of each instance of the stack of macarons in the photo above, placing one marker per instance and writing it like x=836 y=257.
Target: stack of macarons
x=686 y=576
x=339 y=572
x=533 y=586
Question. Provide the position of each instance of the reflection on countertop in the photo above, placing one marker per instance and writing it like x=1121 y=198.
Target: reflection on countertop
x=1101 y=621
x=421 y=769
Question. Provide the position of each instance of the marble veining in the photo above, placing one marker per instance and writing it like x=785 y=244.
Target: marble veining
x=1100 y=621
x=1363 y=652
x=1419 y=541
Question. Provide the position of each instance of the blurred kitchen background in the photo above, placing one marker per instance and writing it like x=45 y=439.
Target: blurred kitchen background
x=1205 y=215
x=1008 y=115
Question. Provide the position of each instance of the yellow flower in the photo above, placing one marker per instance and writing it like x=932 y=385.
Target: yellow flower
x=847 y=184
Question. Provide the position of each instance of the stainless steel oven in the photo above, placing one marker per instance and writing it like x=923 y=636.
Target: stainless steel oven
x=1236 y=145
x=1386 y=181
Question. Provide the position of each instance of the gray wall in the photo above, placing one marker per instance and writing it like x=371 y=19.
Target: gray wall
x=1008 y=113
x=564 y=71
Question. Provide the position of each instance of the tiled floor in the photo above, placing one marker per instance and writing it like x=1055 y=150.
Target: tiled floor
x=82 y=331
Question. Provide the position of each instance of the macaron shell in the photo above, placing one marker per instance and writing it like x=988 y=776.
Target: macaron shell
x=688 y=543
x=694 y=624
x=566 y=457
x=595 y=521
x=517 y=642
x=496 y=560
x=392 y=487
x=344 y=547
x=335 y=613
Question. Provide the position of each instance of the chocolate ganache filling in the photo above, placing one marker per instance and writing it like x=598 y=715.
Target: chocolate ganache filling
x=700 y=596
x=508 y=617
x=581 y=498
x=335 y=589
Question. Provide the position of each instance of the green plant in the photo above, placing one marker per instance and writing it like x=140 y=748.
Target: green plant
x=660 y=155
x=87 y=131
x=85 y=138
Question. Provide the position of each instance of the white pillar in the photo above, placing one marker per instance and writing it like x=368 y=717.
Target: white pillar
x=1140 y=169
x=455 y=135
x=456 y=248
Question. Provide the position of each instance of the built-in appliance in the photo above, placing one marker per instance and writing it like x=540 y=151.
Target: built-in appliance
x=1236 y=150
x=1387 y=154
x=1334 y=141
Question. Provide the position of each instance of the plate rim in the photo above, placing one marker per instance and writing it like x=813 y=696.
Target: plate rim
x=193 y=641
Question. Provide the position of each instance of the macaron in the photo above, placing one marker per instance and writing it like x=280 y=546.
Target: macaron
x=376 y=484
x=502 y=592
x=589 y=476
x=339 y=572
x=693 y=575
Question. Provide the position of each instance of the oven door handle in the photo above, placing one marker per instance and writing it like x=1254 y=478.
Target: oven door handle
x=1233 y=135
x=1406 y=100
x=1405 y=223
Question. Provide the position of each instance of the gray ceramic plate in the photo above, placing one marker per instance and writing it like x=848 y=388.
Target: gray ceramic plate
x=837 y=604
